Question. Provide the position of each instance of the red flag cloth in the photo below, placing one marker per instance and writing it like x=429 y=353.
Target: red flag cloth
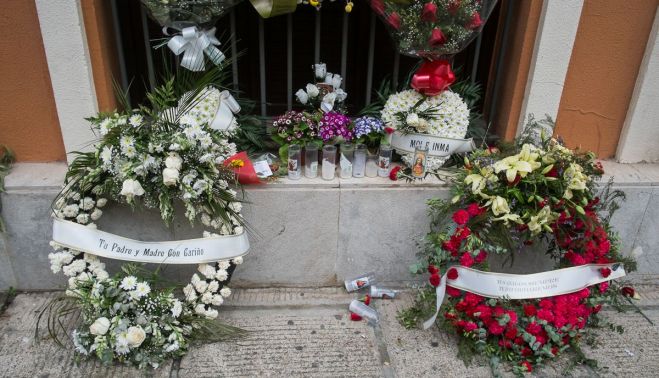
x=433 y=77
x=243 y=168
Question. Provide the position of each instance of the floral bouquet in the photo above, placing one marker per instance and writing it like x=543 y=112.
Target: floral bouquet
x=369 y=131
x=445 y=115
x=182 y=13
x=502 y=201
x=435 y=28
x=335 y=128
x=170 y=151
x=325 y=93
x=294 y=128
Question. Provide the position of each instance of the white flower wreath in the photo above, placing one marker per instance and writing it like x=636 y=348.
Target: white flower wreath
x=448 y=118
x=173 y=152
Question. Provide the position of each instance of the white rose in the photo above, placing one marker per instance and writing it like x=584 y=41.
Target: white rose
x=423 y=125
x=174 y=161
x=96 y=214
x=328 y=78
x=131 y=188
x=328 y=102
x=217 y=300
x=100 y=326
x=135 y=336
x=170 y=176
x=302 y=96
x=320 y=69
x=336 y=81
x=225 y=292
x=341 y=95
x=312 y=90
x=412 y=119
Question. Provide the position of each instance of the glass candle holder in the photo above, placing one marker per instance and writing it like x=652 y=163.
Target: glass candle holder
x=384 y=160
x=346 y=160
x=359 y=161
x=419 y=162
x=294 y=162
x=311 y=160
x=329 y=162
x=372 y=165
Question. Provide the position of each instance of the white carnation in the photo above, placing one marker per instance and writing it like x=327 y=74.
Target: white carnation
x=238 y=260
x=213 y=286
x=207 y=270
x=207 y=297
x=217 y=300
x=222 y=275
x=101 y=202
x=96 y=214
x=225 y=292
x=82 y=218
x=71 y=211
x=224 y=264
x=87 y=203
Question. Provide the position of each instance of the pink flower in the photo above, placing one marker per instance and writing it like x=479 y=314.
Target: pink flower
x=394 y=20
x=429 y=12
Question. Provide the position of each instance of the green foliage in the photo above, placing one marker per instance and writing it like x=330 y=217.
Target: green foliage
x=7 y=297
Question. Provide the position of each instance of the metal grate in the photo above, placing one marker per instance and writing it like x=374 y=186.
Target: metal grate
x=278 y=52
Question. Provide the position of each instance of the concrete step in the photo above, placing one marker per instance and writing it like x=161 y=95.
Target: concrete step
x=306 y=332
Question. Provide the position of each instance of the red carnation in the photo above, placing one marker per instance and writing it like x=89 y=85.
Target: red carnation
x=389 y=130
x=553 y=172
x=605 y=272
x=597 y=308
x=482 y=255
x=466 y=260
x=474 y=209
x=452 y=274
x=437 y=38
x=461 y=217
x=527 y=365
x=475 y=21
x=393 y=174
x=530 y=310
x=394 y=20
x=429 y=12
x=470 y=326
x=494 y=328
x=354 y=317
x=628 y=291
x=433 y=269
x=453 y=292
x=511 y=333
x=604 y=286
x=434 y=279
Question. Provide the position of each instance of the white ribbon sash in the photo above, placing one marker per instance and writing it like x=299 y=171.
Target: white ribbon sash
x=525 y=286
x=104 y=244
x=437 y=146
x=193 y=43
x=226 y=111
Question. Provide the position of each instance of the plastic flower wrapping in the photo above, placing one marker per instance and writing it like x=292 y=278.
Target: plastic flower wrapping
x=435 y=28
x=181 y=13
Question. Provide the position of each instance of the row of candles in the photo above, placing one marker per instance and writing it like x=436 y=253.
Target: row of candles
x=354 y=161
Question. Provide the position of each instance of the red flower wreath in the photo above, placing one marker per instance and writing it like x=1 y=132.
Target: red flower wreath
x=532 y=330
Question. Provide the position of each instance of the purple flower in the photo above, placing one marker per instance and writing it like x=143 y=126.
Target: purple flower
x=367 y=125
x=334 y=124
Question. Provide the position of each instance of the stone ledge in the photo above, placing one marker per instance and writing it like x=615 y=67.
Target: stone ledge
x=311 y=233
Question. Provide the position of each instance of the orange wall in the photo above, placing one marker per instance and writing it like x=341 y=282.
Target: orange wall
x=102 y=50
x=28 y=117
x=516 y=64
x=607 y=53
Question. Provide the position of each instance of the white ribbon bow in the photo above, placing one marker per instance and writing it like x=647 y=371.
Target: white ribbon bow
x=226 y=112
x=193 y=43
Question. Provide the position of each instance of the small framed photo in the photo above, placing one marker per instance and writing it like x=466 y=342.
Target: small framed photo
x=419 y=162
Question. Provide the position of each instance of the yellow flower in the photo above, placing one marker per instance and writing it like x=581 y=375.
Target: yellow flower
x=349 y=6
x=509 y=217
x=541 y=220
x=314 y=3
x=499 y=205
x=478 y=181
x=237 y=163
x=520 y=164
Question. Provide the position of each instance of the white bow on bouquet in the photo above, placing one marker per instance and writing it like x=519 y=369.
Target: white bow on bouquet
x=212 y=107
x=193 y=43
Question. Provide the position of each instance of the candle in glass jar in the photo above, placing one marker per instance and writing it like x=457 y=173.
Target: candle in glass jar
x=329 y=162
x=311 y=160
x=294 y=160
x=384 y=160
x=345 y=160
x=359 y=162
x=372 y=166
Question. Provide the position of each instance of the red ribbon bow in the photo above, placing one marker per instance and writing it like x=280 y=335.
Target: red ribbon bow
x=433 y=77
